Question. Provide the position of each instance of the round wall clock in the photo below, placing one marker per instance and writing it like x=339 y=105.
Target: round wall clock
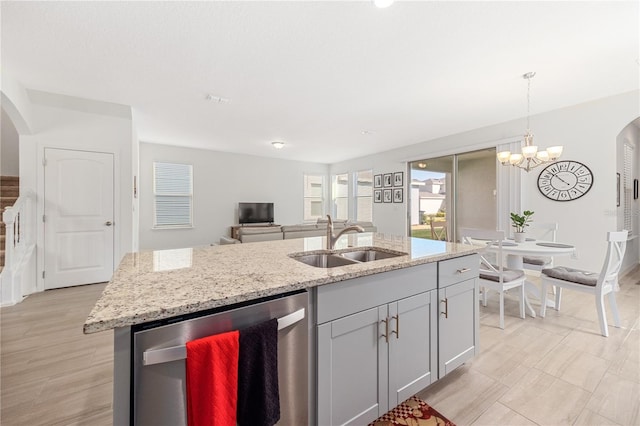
x=565 y=180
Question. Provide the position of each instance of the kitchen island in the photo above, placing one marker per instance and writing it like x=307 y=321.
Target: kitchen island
x=151 y=290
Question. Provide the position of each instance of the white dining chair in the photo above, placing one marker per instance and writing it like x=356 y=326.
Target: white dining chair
x=546 y=232
x=600 y=284
x=495 y=276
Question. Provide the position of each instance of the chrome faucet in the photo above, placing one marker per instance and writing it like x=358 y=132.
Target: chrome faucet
x=331 y=238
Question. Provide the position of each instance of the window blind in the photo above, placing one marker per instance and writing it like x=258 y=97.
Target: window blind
x=173 y=191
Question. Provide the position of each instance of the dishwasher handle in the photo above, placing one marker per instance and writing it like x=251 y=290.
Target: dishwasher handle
x=174 y=353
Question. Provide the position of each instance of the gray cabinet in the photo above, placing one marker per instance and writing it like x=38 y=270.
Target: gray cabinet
x=412 y=346
x=371 y=360
x=458 y=325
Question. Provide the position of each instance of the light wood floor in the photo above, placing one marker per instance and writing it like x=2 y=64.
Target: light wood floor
x=552 y=371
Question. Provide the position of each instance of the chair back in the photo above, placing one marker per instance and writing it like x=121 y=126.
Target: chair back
x=617 y=245
x=482 y=236
x=545 y=231
x=438 y=229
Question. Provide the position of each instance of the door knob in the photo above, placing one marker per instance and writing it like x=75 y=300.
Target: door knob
x=108 y=223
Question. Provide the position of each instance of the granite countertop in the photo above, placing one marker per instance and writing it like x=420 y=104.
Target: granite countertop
x=153 y=285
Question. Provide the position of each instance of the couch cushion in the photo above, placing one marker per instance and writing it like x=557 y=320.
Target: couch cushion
x=574 y=275
x=297 y=228
x=507 y=274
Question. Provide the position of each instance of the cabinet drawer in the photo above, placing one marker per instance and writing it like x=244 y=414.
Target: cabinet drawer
x=453 y=271
x=355 y=295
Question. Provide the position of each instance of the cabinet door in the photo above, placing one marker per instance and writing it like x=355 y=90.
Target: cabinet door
x=352 y=369
x=412 y=346
x=457 y=330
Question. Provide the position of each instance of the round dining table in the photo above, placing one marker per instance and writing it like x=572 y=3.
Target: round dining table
x=531 y=247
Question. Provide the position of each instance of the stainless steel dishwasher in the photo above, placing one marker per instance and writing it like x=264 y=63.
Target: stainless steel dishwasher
x=159 y=386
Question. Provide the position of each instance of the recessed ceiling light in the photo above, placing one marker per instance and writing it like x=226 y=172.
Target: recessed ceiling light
x=383 y=3
x=366 y=132
x=277 y=144
x=422 y=165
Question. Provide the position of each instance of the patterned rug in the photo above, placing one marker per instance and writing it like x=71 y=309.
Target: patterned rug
x=413 y=412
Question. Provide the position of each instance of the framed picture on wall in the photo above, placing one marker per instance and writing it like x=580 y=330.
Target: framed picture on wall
x=397 y=195
x=377 y=181
x=387 y=180
x=387 y=195
x=377 y=196
x=397 y=179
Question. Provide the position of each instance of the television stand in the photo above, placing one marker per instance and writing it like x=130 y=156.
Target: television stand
x=236 y=228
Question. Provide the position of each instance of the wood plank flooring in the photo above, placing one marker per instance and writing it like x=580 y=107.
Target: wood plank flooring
x=552 y=371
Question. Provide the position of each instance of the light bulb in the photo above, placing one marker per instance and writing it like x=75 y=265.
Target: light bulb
x=503 y=157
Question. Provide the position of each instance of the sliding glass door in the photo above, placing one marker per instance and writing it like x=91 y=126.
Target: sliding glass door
x=453 y=192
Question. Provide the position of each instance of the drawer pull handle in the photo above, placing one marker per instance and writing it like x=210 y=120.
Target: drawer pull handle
x=463 y=270
x=446 y=307
x=386 y=330
x=397 y=330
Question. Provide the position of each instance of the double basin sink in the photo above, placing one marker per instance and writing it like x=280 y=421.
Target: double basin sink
x=331 y=259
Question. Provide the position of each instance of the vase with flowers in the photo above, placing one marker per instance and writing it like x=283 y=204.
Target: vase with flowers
x=520 y=222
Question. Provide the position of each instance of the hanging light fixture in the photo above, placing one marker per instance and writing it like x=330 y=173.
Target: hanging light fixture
x=530 y=156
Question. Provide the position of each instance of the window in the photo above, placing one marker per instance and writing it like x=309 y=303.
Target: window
x=341 y=196
x=173 y=191
x=364 y=195
x=313 y=197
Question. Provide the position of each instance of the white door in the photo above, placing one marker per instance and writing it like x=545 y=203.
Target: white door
x=78 y=222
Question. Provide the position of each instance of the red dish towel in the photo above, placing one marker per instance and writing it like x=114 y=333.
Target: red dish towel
x=212 y=380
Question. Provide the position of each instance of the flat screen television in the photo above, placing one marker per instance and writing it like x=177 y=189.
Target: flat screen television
x=255 y=213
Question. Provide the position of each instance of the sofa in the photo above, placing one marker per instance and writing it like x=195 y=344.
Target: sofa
x=250 y=234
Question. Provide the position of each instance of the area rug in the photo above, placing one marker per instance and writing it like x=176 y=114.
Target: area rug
x=413 y=412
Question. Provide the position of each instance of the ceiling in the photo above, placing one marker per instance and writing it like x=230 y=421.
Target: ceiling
x=334 y=80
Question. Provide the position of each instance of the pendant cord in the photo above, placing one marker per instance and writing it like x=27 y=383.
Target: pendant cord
x=528 y=101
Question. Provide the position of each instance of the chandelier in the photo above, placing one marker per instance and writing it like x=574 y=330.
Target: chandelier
x=530 y=156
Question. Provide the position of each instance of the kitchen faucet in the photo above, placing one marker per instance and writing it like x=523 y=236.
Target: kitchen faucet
x=331 y=238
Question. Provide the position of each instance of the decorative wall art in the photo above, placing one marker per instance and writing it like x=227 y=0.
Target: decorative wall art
x=377 y=196
x=387 y=180
x=397 y=195
x=377 y=181
x=387 y=195
x=397 y=179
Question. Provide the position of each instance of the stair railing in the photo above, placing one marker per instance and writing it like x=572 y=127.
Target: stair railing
x=19 y=234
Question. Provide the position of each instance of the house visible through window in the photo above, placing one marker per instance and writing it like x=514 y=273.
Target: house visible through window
x=364 y=195
x=313 y=197
x=173 y=192
x=340 y=196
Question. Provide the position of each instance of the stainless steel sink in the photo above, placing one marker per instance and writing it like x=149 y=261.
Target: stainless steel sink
x=368 y=255
x=324 y=260
x=330 y=259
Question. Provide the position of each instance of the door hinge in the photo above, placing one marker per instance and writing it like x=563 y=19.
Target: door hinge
x=42 y=274
x=44 y=161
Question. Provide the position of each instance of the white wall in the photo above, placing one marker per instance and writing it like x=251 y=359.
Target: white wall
x=66 y=126
x=9 y=163
x=220 y=182
x=588 y=132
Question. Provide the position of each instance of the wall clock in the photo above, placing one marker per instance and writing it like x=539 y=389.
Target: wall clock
x=565 y=180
